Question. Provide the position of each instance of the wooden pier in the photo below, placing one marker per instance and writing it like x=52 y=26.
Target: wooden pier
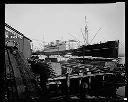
x=78 y=84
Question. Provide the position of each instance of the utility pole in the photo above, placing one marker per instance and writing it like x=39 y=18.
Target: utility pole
x=58 y=50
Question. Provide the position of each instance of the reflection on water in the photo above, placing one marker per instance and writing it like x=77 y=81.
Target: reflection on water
x=121 y=91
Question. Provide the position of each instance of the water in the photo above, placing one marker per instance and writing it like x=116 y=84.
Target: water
x=121 y=92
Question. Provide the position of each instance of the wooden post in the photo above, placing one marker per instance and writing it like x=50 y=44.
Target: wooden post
x=80 y=82
x=103 y=77
x=68 y=85
x=83 y=55
x=68 y=80
x=89 y=82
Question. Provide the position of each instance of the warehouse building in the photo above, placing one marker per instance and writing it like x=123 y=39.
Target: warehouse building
x=23 y=43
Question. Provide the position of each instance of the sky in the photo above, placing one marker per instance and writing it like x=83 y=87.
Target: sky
x=50 y=22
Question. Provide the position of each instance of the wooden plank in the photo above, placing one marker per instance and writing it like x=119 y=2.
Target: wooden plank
x=25 y=65
x=9 y=85
x=78 y=76
x=28 y=76
x=18 y=78
x=7 y=65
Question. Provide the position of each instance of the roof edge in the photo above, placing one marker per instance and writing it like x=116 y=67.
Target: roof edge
x=7 y=25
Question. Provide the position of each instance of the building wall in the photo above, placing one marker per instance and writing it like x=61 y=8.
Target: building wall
x=12 y=36
x=27 y=48
x=24 y=45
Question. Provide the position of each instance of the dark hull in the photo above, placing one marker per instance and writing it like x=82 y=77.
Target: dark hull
x=106 y=50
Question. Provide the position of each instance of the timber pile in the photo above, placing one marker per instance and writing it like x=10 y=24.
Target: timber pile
x=19 y=80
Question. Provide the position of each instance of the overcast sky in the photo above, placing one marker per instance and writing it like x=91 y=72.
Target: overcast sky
x=50 y=22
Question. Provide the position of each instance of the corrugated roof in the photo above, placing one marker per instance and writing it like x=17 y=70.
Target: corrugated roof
x=16 y=31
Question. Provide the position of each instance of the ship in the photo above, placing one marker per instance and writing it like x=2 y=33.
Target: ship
x=107 y=49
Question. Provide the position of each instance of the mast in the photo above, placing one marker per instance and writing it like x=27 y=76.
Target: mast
x=86 y=31
x=86 y=38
